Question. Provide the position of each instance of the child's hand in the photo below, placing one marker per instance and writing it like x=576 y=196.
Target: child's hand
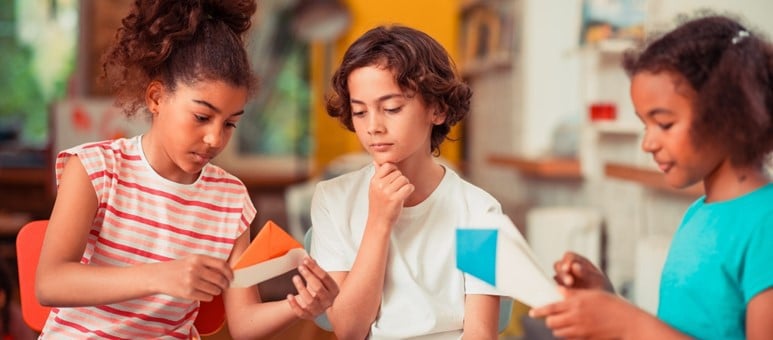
x=196 y=277
x=575 y=271
x=587 y=314
x=388 y=191
x=318 y=293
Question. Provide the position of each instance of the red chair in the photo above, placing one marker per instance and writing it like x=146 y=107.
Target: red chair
x=29 y=241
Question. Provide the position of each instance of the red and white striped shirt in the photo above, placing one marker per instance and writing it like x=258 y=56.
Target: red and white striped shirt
x=143 y=218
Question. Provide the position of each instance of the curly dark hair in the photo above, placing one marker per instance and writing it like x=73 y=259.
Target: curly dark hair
x=730 y=68
x=175 y=41
x=419 y=64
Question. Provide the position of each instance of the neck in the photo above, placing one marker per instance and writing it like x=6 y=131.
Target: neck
x=425 y=175
x=161 y=163
x=729 y=181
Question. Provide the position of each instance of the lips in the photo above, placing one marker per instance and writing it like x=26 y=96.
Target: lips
x=380 y=146
x=203 y=157
x=665 y=167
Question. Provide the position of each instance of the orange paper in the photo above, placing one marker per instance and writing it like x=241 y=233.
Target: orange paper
x=271 y=242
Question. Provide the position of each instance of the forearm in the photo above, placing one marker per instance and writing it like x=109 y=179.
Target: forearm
x=357 y=304
x=260 y=320
x=647 y=326
x=481 y=316
x=76 y=284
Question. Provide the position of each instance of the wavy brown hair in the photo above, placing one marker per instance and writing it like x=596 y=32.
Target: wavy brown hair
x=730 y=68
x=174 y=41
x=419 y=64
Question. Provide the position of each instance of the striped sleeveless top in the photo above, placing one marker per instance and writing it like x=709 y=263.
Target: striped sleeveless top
x=141 y=218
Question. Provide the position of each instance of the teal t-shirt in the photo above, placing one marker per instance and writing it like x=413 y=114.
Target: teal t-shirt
x=720 y=258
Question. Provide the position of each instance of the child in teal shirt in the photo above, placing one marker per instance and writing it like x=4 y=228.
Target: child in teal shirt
x=704 y=92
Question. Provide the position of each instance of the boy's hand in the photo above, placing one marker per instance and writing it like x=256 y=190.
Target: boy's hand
x=387 y=193
x=575 y=271
x=317 y=295
x=196 y=277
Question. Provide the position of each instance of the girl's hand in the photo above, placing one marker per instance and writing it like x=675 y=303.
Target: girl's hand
x=588 y=314
x=317 y=295
x=388 y=191
x=575 y=271
x=196 y=277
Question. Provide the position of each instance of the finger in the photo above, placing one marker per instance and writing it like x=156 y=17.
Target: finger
x=313 y=285
x=558 y=321
x=213 y=277
x=546 y=310
x=568 y=333
x=398 y=182
x=218 y=266
x=577 y=269
x=209 y=288
x=296 y=307
x=324 y=279
x=303 y=297
x=406 y=190
x=567 y=280
x=384 y=170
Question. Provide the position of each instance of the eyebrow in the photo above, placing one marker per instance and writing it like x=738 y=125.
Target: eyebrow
x=213 y=108
x=380 y=99
x=657 y=111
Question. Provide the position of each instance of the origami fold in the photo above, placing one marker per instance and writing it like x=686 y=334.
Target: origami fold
x=494 y=251
x=273 y=252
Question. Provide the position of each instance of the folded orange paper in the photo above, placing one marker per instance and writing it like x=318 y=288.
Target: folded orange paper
x=273 y=252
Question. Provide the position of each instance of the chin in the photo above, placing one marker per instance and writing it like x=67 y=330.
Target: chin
x=680 y=183
x=382 y=159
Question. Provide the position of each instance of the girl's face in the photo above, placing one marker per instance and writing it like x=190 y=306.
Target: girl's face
x=663 y=102
x=392 y=125
x=191 y=126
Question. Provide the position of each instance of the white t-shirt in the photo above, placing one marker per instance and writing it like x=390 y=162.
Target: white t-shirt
x=423 y=291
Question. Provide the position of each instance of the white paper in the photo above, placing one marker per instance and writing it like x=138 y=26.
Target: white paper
x=518 y=272
x=257 y=273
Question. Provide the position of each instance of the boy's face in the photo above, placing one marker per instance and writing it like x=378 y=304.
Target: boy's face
x=663 y=102
x=393 y=126
x=191 y=126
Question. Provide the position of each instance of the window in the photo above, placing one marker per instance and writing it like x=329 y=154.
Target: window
x=38 y=40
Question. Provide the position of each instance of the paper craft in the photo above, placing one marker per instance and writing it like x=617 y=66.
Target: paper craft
x=273 y=252
x=494 y=251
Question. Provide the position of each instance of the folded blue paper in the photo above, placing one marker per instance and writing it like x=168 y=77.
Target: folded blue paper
x=493 y=250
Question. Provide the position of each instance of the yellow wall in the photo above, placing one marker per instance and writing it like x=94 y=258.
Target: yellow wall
x=438 y=18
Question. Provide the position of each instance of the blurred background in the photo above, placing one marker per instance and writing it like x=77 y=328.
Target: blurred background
x=552 y=133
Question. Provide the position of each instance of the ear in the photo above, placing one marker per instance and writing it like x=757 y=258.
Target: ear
x=153 y=95
x=438 y=117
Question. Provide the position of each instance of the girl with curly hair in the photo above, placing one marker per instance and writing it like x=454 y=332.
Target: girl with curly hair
x=704 y=92
x=144 y=228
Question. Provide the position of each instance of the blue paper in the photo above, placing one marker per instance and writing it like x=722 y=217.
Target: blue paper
x=476 y=253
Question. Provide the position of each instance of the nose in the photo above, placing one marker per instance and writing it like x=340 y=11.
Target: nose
x=214 y=137
x=649 y=142
x=375 y=123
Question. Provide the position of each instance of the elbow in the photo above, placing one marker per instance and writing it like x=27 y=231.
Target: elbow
x=43 y=293
x=50 y=292
x=350 y=335
x=351 y=331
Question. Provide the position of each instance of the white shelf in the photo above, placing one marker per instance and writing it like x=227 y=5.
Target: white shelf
x=617 y=128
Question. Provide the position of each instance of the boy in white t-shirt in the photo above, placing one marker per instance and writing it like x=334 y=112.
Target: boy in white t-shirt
x=385 y=233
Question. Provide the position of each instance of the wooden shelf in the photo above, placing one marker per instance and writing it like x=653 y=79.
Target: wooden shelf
x=649 y=178
x=275 y=183
x=545 y=168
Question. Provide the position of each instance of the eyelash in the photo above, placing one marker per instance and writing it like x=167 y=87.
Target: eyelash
x=394 y=110
x=202 y=119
